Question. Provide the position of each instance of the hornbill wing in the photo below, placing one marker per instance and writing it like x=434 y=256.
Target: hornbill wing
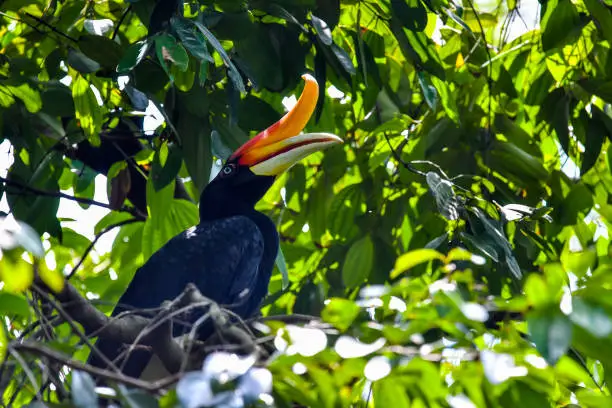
x=220 y=257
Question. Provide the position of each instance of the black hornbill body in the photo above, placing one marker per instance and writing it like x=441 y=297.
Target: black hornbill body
x=230 y=254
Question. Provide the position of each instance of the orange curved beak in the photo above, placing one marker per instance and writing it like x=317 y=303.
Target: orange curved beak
x=282 y=145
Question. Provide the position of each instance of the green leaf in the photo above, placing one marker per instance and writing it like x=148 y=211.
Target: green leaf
x=340 y=313
x=137 y=398
x=51 y=277
x=169 y=218
x=458 y=20
x=132 y=56
x=551 y=333
x=429 y=91
x=30 y=97
x=16 y=274
x=596 y=132
x=562 y=26
x=510 y=159
x=482 y=244
x=444 y=194
x=159 y=201
x=233 y=73
x=281 y=264
x=83 y=390
x=344 y=207
x=412 y=14
x=13 y=304
x=413 y=258
x=389 y=392
x=193 y=40
x=560 y=117
x=259 y=59
x=590 y=317
x=82 y=62
x=100 y=49
x=418 y=49
x=168 y=49
x=602 y=15
x=88 y=112
x=195 y=132
x=447 y=98
x=358 y=262
x=322 y=30
x=166 y=165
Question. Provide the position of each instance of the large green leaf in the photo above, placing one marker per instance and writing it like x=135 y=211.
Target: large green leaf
x=552 y=334
x=358 y=263
x=418 y=49
x=562 y=25
x=87 y=109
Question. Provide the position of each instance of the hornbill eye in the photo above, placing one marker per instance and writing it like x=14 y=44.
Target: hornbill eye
x=228 y=169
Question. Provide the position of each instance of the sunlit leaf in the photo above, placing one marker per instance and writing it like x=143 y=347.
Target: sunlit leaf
x=134 y=54
x=88 y=111
x=414 y=258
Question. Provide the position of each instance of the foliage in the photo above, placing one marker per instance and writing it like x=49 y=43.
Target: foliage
x=456 y=248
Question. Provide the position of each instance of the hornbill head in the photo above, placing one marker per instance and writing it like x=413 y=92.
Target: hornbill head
x=251 y=169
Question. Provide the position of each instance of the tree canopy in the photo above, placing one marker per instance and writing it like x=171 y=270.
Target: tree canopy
x=454 y=252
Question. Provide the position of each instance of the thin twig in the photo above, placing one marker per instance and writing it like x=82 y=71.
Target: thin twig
x=67 y=318
x=489 y=68
x=120 y=22
x=58 y=194
x=50 y=27
x=95 y=240
x=407 y=165
x=40 y=350
x=27 y=371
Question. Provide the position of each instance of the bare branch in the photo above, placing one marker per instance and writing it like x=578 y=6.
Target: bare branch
x=125 y=329
x=41 y=350
x=58 y=194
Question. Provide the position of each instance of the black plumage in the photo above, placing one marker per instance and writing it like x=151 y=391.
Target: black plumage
x=229 y=256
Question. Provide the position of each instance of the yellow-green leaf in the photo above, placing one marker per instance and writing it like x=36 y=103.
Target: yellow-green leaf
x=414 y=258
x=52 y=278
x=88 y=112
x=17 y=274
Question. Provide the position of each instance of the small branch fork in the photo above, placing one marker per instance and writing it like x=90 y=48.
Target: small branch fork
x=138 y=331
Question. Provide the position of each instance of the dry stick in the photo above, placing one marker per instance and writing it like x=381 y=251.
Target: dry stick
x=40 y=350
x=59 y=194
x=124 y=330
x=75 y=329
x=27 y=371
x=191 y=298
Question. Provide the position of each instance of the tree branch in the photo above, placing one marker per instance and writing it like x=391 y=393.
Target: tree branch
x=58 y=194
x=126 y=328
x=40 y=350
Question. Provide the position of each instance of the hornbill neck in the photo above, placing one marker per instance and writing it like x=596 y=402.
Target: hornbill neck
x=228 y=197
x=225 y=198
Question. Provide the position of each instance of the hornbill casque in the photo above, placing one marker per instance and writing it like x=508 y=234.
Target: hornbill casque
x=230 y=254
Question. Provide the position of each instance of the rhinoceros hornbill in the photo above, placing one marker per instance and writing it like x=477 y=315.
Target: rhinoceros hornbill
x=230 y=254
